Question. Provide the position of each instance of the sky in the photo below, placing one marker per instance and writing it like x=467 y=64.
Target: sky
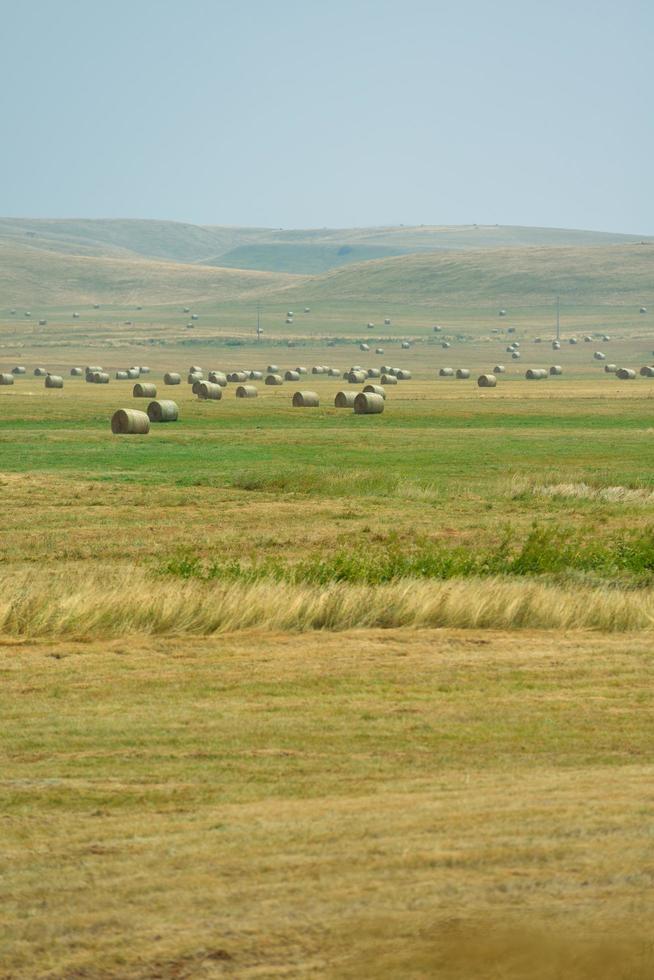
x=326 y=113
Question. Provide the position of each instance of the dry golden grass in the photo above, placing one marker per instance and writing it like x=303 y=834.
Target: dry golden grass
x=76 y=603
x=377 y=803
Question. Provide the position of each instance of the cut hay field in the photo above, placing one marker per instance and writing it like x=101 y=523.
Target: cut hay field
x=295 y=692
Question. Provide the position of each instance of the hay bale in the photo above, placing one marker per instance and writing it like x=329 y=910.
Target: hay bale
x=379 y=350
x=556 y=369
x=364 y=347
x=208 y=391
x=345 y=399
x=6 y=379
x=292 y=376
x=133 y=373
x=121 y=376
x=92 y=369
x=144 y=390
x=404 y=375
x=463 y=374
x=388 y=379
x=40 y=372
x=515 y=356
x=333 y=372
x=610 y=368
x=370 y=326
x=246 y=391
x=76 y=372
x=535 y=374
x=375 y=389
x=643 y=309
x=217 y=378
x=195 y=369
x=274 y=379
x=599 y=355
x=356 y=377
x=272 y=369
x=143 y=369
x=163 y=411
x=374 y=373
x=605 y=338
x=194 y=376
x=368 y=403
x=446 y=345
x=588 y=339
x=625 y=374
x=317 y=369
x=42 y=323
x=127 y=421
x=305 y=399
x=572 y=340
x=100 y=378
x=446 y=372
x=556 y=345
x=301 y=369
x=502 y=313
x=405 y=345
x=487 y=381
x=19 y=369
x=647 y=371
x=171 y=378
x=387 y=322
x=498 y=369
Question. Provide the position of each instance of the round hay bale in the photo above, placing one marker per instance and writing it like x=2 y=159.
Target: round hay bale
x=307 y=309
x=370 y=326
x=172 y=378
x=379 y=350
x=144 y=390
x=515 y=355
x=92 y=369
x=599 y=355
x=100 y=378
x=368 y=403
x=133 y=373
x=255 y=375
x=246 y=391
x=437 y=329
x=572 y=340
x=274 y=379
x=588 y=339
x=404 y=375
x=556 y=345
x=345 y=399
x=388 y=379
x=195 y=389
x=385 y=369
x=42 y=323
x=446 y=372
x=301 y=369
x=364 y=347
x=535 y=374
x=292 y=376
x=556 y=369
x=208 y=391
x=317 y=369
x=356 y=377
x=143 y=369
x=272 y=369
x=375 y=389
x=405 y=345
x=40 y=372
x=387 y=322
x=625 y=374
x=163 y=411
x=217 y=378
x=510 y=349
x=374 y=373
x=333 y=372
x=463 y=373
x=76 y=372
x=498 y=369
x=195 y=369
x=502 y=313
x=487 y=381
x=305 y=399
x=121 y=376
x=127 y=421
x=19 y=369
x=643 y=309
x=238 y=376
x=605 y=338
x=610 y=368
x=6 y=379
x=446 y=345
x=194 y=376
x=647 y=371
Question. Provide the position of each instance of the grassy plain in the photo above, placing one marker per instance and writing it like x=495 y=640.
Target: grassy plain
x=226 y=778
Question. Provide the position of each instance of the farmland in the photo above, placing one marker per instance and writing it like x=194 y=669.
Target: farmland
x=231 y=746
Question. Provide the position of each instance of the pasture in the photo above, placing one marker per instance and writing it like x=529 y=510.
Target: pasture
x=231 y=748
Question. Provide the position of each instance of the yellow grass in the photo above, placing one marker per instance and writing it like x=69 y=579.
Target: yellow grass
x=119 y=601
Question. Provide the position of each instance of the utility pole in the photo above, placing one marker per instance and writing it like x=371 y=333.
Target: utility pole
x=558 y=317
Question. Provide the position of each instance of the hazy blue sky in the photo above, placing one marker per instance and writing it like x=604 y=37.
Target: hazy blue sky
x=325 y=112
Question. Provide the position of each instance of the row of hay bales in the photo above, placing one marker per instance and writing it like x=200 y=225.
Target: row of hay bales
x=51 y=380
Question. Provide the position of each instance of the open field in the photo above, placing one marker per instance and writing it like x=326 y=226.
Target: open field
x=295 y=692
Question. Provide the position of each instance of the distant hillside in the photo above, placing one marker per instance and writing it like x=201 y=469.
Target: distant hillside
x=30 y=278
x=612 y=274
x=300 y=251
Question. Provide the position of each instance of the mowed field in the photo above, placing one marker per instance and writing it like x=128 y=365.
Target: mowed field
x=230 y=748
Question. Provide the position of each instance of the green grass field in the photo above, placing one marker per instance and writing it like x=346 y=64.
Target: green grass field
x=295 y=692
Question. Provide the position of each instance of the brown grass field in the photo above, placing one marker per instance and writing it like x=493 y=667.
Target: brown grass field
x=259 y=777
